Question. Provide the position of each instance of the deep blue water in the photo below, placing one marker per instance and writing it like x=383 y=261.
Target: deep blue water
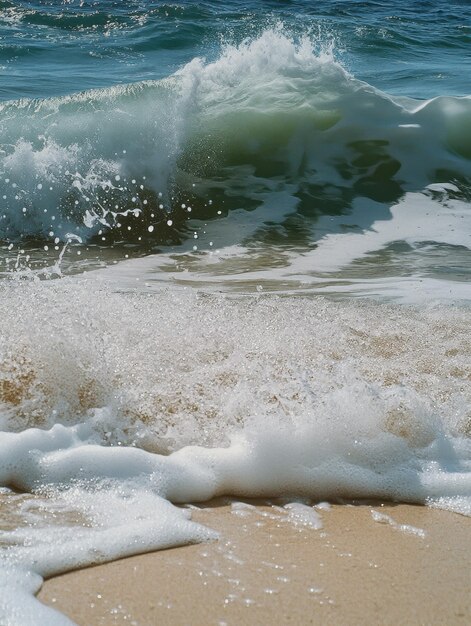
x=420 y=49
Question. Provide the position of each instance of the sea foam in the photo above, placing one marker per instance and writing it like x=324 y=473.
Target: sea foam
x=115 y=405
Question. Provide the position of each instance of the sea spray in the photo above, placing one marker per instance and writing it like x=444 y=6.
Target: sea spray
x=270 y=114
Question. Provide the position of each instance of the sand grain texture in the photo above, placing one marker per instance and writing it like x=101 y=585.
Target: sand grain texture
x=266 y=569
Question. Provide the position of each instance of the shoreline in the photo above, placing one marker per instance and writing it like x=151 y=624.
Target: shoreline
x=270 y=566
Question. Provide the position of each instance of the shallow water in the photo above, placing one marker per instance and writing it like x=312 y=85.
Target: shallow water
x=235 y=252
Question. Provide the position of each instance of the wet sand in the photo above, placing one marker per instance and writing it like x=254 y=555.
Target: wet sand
x=266 y=569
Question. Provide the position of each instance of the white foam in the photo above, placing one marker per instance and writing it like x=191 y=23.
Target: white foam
x=303 y=515
x=382 y=518
x=415 y=219
x=337 y=262
x=146 y=399
x=457 y=504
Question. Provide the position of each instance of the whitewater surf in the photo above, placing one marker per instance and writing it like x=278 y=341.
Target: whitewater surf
x=181 y=260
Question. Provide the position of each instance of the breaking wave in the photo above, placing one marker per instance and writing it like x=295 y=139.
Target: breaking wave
x=272 y=116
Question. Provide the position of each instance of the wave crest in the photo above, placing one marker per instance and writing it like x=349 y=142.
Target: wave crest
x=271 y=114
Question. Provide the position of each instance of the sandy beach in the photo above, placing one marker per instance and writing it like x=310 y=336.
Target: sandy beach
x=367 y=564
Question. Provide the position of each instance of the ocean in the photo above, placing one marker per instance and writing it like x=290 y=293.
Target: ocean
x=235 y=259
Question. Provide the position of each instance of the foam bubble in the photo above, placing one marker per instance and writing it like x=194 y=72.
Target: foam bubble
x=382 y=518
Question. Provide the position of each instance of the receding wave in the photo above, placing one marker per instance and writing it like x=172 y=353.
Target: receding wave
x=132 y=163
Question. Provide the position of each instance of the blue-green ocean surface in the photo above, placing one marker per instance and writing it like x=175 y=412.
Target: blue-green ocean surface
x=51 y=48
x=303 y=141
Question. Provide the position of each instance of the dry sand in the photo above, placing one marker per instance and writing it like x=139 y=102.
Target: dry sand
x=266 y=570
